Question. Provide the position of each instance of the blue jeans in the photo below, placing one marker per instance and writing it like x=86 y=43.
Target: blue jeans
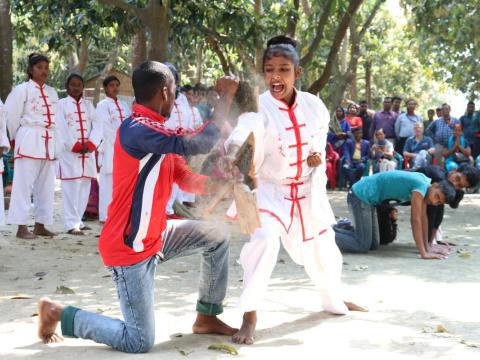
x=354 y=171
x=365 y=237
x=135 y=288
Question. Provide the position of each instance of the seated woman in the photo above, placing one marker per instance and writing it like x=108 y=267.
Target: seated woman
x=382 y=153
x=397 y=185
x=331 y=158
x=419 y=148
x=339 y=130
x=353 y=119
x=458 y=151
x=356 y=154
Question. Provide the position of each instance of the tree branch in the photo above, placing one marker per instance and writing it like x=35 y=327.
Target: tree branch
x=318 y=84
x=292 y=19
x=221 y=56
x=319 y=36
x=370 y=18
x=140 y=13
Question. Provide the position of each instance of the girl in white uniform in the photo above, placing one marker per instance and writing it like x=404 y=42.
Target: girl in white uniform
x=4 y=147
x=31 y=124
x=80 y=134
x=111 y=112
x=290 y=132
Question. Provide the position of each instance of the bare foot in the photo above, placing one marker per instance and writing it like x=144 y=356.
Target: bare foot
x=354 y=307
x=41 y=230
x=245 y=334
x=49 y=313
x=75 y=232
x=23 y=233
x=205 y=324
x=440 y=249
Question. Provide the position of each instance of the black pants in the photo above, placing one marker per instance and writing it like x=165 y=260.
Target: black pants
x=400 y=144
x=435 y=218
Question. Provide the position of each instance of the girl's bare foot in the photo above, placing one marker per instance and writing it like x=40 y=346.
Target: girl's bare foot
x=75 y=232
x=210 y=324
x=49 y=313
x=245 y=334
x=354 y=307
x=41 y=230
x=23 y=233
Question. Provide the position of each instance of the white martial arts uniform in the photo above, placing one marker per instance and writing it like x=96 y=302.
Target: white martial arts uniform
x=5 y=146
x=111 y=113
x=184 y=117
x=292 y=198
x=31 y=123
x=78 y=125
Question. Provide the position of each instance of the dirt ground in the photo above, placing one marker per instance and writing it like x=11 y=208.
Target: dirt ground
x=418 y=309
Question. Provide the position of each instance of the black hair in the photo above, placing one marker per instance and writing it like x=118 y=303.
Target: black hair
x=148 y=78
x=245 y=98
x=109 y=79
x=449 y=191
x=34 y=59
x=458 y=197
x=396 y=98
x=438 y=108
x=71 y=77
x=471 y=103
x=341 y=108
x=430 y=110
x=282 y=46
x=363 y=102
x=387 y=227
x=350 y=105
x=174 y=72
x=472 y=174
x=187 y=87
x=200 y=87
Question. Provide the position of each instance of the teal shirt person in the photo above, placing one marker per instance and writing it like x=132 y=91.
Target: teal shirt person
x=391 y=185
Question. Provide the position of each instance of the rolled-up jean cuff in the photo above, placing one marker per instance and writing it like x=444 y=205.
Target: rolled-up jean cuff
x=209 y=309
x=66 y=320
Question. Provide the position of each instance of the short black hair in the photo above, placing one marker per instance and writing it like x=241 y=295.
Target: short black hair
x=396 y=98
x=187 y=87
x=282 y=46
x=109 y=79
x=471 y=103
x=148 y=78
x=174 y=72
x=34 y=59
x=449 y=191
x=430 y=110
x=471 y=173
x=200 y=87
x=458 y=197
x=363 y=102
x=73 y=76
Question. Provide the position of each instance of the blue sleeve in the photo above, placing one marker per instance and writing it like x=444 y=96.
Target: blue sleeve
x=366 y=150
x=138 y=140
x=430 y=142
x=408 y=145
x=450 y=142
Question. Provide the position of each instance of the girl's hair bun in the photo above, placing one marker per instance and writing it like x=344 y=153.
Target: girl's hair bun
x=282 y=40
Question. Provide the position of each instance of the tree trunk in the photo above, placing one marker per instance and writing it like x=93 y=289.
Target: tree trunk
x=139 y=45
x=217 y=50
x=6 y=74
x=368 y=82
x=199 y=63
x=292 y=19
x=319 y=84
x=159 y=26
x=258 y=41
x=83 y=56
x=344 y=53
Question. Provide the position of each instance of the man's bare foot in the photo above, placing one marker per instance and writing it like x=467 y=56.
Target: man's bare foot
x=41 y=230
x=23 y=233
x=210 y=324
x=354 y=307
x=49 y=313
x=440 y=249
x=75 y=232
x=245 y=334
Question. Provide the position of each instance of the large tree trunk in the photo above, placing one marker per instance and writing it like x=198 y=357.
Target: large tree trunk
x=77 y=61
x=258 y=42
x=292 y=19
x=368 y=82
x=199 y=63
x=6 y=74
x=159 y=27
x=139 y=45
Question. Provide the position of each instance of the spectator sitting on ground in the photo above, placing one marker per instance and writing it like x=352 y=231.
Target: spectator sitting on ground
x=356 y=156
x=418 y=148
x=339 y=130
x=382 y=153
x=353 y=119
x=458 y=151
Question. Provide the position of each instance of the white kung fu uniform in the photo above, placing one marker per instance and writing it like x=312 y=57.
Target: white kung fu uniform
x=31 y=124
x=292 y=198
x=111 y=113
x=78 y=126
x=188 y=118
x=5 y=146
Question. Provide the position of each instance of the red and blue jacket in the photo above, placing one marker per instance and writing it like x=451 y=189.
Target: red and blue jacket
x=147 y=161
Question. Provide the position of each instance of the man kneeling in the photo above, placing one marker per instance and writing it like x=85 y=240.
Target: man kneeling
x=136 y=236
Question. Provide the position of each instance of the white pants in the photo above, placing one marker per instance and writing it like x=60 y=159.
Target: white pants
x=320 y=257
x=105 y=187
x=387 y=165
x=422 y=159
x=2 y=201
x=75 y=195
x=37 y=176
x=174 y=196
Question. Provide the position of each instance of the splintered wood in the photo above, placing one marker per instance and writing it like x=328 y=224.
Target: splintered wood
x=247 y=209
x=244 y=162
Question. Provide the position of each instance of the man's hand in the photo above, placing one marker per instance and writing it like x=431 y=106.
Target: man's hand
x=314 y=160
x=226 y=86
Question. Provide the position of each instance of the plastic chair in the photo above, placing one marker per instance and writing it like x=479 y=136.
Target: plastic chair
x=341 y=176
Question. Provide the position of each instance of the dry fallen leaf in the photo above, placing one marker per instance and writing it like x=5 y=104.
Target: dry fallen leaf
x=64 y=290
x=229 y=349
x=20 y=297
x=183 y=352
x=40 y=274
x=441 y=329
x=360 y=268
x=464 y=253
